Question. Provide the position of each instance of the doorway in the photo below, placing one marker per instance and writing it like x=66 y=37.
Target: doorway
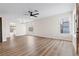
x=77 y=33
x=12 y=30
x=0 y=29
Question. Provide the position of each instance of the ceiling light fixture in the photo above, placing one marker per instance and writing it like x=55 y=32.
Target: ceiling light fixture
x=32 y=13
x=29 y=16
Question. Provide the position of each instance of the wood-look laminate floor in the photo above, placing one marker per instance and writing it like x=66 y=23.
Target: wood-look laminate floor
x=36 y=46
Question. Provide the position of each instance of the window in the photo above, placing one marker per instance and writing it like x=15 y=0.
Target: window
x=64 y=26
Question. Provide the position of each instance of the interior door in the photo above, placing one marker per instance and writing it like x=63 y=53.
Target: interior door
x=0 y=29
x=77 y=33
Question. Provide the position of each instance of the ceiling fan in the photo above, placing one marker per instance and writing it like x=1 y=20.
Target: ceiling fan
x=34 y=13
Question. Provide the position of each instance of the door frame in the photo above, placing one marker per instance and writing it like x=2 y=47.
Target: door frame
x=1 y=29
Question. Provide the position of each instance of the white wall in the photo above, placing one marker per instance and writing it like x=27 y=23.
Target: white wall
x=74 y=27
x=6 y=20
x=3 y=29
x=49 y=27
x=20 y=29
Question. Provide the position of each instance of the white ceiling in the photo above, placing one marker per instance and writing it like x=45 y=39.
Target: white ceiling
x=45 y=9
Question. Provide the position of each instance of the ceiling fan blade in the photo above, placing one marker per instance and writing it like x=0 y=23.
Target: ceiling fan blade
x=36 y=14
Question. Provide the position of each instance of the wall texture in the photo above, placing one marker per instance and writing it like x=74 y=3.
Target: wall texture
x=49 y=27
